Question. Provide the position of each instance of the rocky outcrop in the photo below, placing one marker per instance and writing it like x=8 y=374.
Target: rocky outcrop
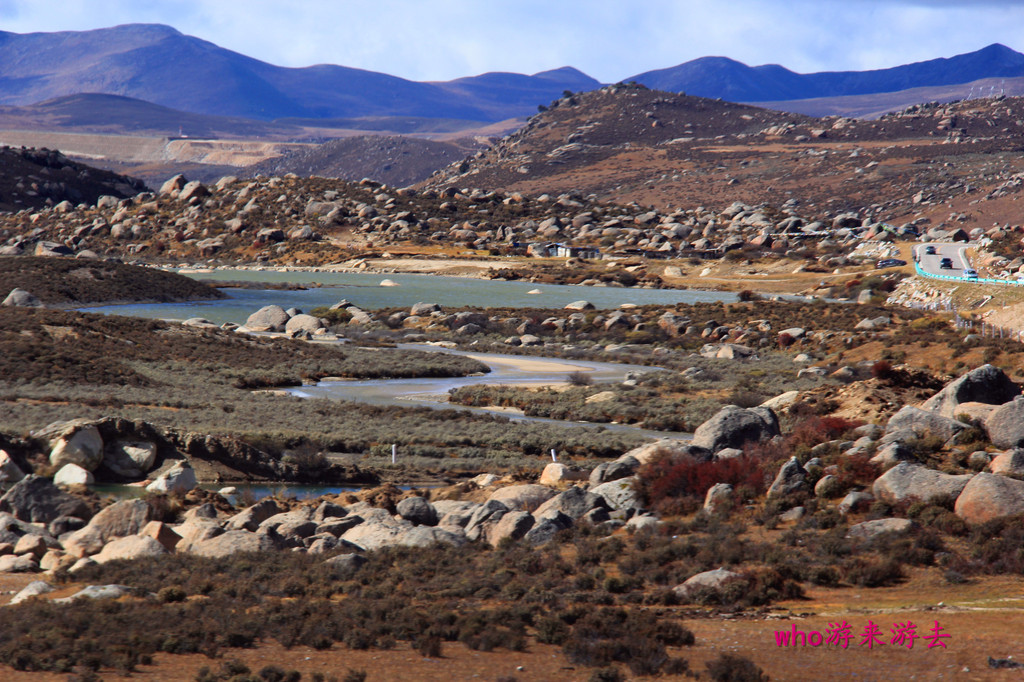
x=869 y=531
x=120 y=519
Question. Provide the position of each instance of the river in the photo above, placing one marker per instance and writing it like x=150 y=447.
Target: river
x=364 y=290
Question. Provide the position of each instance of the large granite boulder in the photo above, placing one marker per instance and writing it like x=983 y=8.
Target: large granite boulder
x=732 y=427
x=526 y=497
x=233 y=542
x=512 y=526
x=131 y=547
x=986 y=384
x=78 y=444
x=303 y=323
x=120 y=519
x=907 y=482
x=869 y=531
x=574 y=502
x=708 y=581
x=620 y=494
x=792 y=478
x=417 y=510
x=1005 y=425
x=130 y=459
x=990 y=496
x=270 y=318
x=21 y=299
x=10 y=472
x=38 y=500
x=924 y=423
x=180 y=478
x=250 y=518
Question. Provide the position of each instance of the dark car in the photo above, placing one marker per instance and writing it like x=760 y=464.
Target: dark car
x=929 y=250
x=891 y=263
x=946 y=263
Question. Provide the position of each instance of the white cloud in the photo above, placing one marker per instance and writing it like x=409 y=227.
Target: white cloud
x=609 y=39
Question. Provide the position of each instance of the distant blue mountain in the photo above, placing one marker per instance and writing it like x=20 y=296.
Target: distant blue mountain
x=158 y=64
x=737 y=82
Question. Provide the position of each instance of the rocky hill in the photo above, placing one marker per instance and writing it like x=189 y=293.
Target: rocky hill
x=77 y=281
x=33 y=178
x=628 y=143
x=392 y=159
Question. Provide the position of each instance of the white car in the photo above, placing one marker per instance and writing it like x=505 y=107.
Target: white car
x=970 y=273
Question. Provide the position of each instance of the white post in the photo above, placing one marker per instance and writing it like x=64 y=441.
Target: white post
x=393 y=448
x=553 y=457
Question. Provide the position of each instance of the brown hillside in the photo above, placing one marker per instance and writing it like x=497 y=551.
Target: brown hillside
x=627 y=143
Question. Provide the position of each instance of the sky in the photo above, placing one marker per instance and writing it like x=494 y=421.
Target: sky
x=610 y=40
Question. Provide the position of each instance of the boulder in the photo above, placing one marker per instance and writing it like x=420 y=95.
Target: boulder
x=512 y=526
x=732 y=427
x=924 y=423
x=130 y=459
x=989 y=496
x=21 y=299
x=907 y=482
x=574 y=502
x=131 y=547
x=250 y=518
x=659 y=448
x=986 y=384
x=18 y=564
x=427 y=536
x=345 y=565
x=173 y=184
x=707 y=581
x=869 y=531
x=270 y=318
x=178 y=479
x=79 y=444
x=620 y=494
x=376 y=533
x=1005 y=425
x=162 y=533
x=31 y=544
x=96 y=591
x=526 y=497
x=38 y=500
x=556 y=475
x=120 y=519
x=854 y=501
x=72 y=474
x=303 y=323
x=792 y=478
x=35 y=588
x=718 y=498
x=484 y=516
x=417 y=510
x=544 y=531
x=580 y=305
x=233 y=542
x=1009 y=463
x=10 y=472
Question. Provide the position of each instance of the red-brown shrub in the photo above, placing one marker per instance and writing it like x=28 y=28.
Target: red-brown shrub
x=685 y=477
x=815 y=430
x=882 y=370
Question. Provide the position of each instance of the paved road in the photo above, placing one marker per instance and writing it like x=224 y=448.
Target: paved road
x=930 y=264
